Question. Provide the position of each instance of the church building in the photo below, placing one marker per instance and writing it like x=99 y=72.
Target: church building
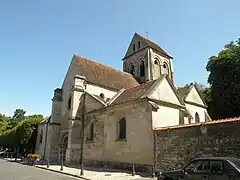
x=110 y=115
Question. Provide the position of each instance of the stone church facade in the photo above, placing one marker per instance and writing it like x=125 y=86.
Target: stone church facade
x=119 y=110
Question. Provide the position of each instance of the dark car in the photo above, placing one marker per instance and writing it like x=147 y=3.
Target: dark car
x=207 y=168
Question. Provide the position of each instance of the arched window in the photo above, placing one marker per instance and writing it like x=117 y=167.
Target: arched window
x=102 y=96
x=69 y=102
x=156 y=68
x=41 y=137
x=132 y=69
x=142 y=69
x=122 y=129
x=165 y=68
x=91 y=132
x=197 y=119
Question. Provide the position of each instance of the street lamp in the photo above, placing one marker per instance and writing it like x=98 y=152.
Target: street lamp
x=61 y=158
x=48 y=159
x=82 y=133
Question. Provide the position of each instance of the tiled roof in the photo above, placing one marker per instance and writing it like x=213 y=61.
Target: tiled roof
x=103 y=75
x=134 y=93
x=154 y=46
x=183 y=91
x=219 y=121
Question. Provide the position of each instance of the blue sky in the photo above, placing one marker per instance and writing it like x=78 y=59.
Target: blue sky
x=38 y=39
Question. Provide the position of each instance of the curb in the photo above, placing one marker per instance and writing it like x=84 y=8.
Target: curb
x=60 y=172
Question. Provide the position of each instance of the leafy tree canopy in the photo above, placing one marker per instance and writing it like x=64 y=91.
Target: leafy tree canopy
x=4 y=122
x=24 y=132
x=224 y=80
x=18 y=115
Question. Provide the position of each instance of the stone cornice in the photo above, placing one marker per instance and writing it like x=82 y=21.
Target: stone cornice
x=78 y=88
x=54 y=123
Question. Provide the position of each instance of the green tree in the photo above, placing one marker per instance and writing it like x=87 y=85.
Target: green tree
x=224 y=80
x=23 y=135
x=4 y=122
x=18 y=115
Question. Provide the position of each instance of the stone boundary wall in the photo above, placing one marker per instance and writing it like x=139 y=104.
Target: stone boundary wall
x=176 y=146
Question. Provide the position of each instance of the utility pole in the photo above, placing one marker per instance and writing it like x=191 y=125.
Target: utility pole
x=82 y=132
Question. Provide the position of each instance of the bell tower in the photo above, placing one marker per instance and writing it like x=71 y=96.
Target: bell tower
x=146 y=61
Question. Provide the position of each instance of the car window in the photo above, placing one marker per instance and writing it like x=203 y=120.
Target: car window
x=236 y=162
x=199 y=166
x=230 y=167
x=216 y=166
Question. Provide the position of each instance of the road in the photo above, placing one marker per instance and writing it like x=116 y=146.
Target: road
x=16 y=171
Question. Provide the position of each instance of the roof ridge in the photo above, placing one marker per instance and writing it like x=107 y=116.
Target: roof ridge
x=95 y=61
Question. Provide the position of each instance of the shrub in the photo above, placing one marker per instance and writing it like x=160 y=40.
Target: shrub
x=33 y=156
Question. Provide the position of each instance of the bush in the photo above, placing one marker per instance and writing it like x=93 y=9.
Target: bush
x=33 y=156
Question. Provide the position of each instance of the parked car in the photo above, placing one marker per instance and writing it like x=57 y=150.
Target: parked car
x=207 y=168
x=7 y=153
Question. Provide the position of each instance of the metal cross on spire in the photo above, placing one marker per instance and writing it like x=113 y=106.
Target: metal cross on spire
x=147 y=35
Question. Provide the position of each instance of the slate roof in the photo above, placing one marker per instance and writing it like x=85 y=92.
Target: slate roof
x=103 y=75
x=134 y=93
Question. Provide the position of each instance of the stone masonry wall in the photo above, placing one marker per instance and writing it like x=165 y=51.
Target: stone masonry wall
x=178 y=145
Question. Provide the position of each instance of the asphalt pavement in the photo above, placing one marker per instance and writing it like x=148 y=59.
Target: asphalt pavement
x=17 y=171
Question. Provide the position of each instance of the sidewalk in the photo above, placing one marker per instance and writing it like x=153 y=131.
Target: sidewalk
x=97 y=174
x=90 y=173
